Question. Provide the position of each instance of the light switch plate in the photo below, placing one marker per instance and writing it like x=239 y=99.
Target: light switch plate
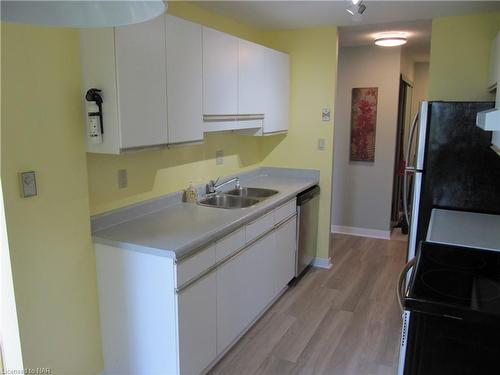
x=325 y=114
x=122 y=179
x=321 y=143
x=219 y=157
x=28 y=184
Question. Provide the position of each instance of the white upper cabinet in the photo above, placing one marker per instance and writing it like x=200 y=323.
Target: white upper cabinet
x=158 y=79
x=220 y=73
x=252 y=74
x=141 y=83
x=150 y=75
x=278 y=92
x=264 y=85
x=97 y=54
x=184 y=80
x=128 y=65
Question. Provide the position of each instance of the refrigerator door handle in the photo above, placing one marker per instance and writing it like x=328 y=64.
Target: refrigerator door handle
x=408 y=169
x=410 y=141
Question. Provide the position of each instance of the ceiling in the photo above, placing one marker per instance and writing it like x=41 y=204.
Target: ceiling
x=418 y=34
x=299 y=14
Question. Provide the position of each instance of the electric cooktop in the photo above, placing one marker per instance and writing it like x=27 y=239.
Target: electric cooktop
x=456 y=282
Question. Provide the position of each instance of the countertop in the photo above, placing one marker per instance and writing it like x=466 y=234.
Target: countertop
x=466 y=229
x=179 y=229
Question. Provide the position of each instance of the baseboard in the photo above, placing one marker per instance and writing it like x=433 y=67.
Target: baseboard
x=325 y=263
x=362 y=232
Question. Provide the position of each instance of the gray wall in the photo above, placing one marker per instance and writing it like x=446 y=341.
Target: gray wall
x=362 y=191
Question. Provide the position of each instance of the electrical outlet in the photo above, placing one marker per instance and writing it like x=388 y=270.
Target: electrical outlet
x=219 y=157
x=122 y=179
x=321 y=143
x=28 y=184
x=325 y=114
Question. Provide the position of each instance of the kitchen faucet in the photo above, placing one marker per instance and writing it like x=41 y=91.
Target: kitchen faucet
x=213 y=188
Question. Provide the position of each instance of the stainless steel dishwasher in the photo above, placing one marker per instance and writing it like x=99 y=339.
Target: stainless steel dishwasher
x=307 y=228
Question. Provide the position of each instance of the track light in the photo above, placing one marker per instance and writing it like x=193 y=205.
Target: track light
x=356 y=10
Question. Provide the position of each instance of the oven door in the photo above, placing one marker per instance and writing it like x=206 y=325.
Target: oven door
x=440 y=345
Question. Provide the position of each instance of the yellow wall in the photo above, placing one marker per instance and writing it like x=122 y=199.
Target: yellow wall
x=155 y=173
x=41 y=129
x=313 y=56
x=52 y=255
x=460 y=52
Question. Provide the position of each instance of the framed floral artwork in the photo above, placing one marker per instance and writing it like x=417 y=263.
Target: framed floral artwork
x=363 y=123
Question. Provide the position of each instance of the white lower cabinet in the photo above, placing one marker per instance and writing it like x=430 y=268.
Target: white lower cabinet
x=244 y=288
x=197 y=331
x=178 y=317
x=286 y=249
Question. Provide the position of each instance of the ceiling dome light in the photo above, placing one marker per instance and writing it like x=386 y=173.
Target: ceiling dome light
x=81 y=14
x=390 y=42
x=392 y=39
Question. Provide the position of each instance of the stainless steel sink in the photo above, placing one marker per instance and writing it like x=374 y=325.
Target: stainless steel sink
x=228 y=201
x=251 y=192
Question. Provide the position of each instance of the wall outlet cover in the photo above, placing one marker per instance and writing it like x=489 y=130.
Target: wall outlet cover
x=219 y=157
x=28 y=184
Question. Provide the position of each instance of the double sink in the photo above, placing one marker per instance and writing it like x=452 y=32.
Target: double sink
x=238 y=198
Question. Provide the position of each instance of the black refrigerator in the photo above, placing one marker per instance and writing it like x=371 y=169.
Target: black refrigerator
x=453 y=168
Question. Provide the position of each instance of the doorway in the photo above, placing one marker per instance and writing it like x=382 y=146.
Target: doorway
x=403 y=125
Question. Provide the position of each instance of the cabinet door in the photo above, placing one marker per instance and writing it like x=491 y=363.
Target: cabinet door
x=286 y=248
x=252 y=76
x=263 y=85
x=244 y=288
x=97 y=54
x=197 y=325
x=142 y=83
x=220 y=73
x=184 y=80
x=278 y=91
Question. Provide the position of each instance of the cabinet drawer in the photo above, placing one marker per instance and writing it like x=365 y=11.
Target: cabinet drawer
x=285 y=211
x=259 y=226
x=194 y=265
x=229 y=244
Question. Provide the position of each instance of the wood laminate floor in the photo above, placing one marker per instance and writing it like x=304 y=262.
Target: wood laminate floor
x=342 y=321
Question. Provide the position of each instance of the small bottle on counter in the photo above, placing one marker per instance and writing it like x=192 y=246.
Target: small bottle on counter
x=190 y=194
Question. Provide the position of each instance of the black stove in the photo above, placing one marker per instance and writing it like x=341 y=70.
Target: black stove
x=457 y=282
x=454 y=300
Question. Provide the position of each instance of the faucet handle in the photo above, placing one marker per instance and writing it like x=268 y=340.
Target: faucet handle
x=238 y=185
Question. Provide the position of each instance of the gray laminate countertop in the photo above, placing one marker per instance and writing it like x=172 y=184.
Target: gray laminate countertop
x=169 y=227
